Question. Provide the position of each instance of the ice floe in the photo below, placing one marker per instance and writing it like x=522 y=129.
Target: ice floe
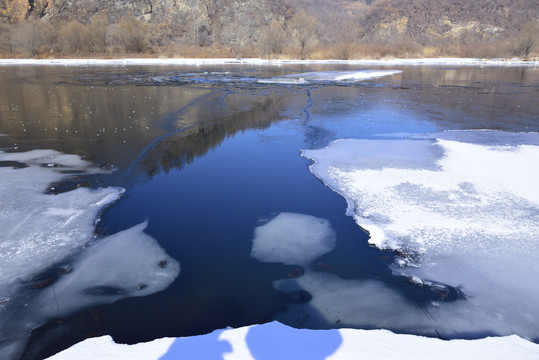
x=293 y=239
x=277 y=341
x=50 y=263
x=328 y=76
x=464 y=213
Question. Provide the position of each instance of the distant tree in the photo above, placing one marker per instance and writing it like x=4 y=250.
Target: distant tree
x=303 y=30
x=271 y=41
x=33 y=35
x=236 y=36
x=132 y=35
x=98 y=30
x=527 y=39
x=73 y=37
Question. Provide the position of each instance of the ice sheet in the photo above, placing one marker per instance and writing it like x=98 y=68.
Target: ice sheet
x=469 y=209
x=328 y=76
x=277 y=341
x=293 y=239
x=50 y=263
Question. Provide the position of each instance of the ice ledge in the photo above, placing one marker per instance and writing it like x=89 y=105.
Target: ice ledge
x=277 y=341
x=254 y=61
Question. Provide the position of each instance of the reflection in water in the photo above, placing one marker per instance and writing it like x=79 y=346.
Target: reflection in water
x=247 y=167
x=201 y=136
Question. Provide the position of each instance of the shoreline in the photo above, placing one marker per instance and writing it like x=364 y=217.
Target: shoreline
x=261 y=62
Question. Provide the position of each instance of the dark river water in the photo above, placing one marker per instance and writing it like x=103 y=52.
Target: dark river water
x=207 y=154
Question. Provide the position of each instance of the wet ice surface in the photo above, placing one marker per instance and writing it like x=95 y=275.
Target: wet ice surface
x=50 y=263
x=463 y=213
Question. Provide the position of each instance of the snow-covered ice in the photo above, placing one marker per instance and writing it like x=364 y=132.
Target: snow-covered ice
x=293 y=239
x=468 y=208
x=328 y=76
x=277 y=341
x=50 y=263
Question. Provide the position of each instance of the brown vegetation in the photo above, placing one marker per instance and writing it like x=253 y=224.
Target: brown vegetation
x=318 y=29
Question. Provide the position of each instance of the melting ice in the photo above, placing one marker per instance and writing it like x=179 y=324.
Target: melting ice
x=50 y=265
x=465 y=204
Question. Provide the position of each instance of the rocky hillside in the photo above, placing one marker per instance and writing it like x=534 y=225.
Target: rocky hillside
x=250 y=24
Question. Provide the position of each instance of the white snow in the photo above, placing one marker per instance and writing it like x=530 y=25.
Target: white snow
x=255 y=61
x=51 y=236
x=328 y=76
x=293 y=239
x=277 y=341
x=471 y=211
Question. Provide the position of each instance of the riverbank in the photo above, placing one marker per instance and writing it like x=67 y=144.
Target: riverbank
x=258 y=61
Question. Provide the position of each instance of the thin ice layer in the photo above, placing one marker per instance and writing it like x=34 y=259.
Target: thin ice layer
x=470 y=210
x=329 y=76
x=293 y=239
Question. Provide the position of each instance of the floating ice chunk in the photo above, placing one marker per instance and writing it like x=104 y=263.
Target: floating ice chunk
x=293 y=239
x=469 y=209
x=129 y=263
x=284 y=81
x=328 y=76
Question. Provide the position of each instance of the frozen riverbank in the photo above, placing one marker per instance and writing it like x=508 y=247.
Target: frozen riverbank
x=261 y=62
x=277 y=341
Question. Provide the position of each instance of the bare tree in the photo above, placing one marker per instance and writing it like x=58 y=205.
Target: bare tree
x=527 y=39
x=132 y=35
x=33 y=35
x=271 y=42
x=303 y=30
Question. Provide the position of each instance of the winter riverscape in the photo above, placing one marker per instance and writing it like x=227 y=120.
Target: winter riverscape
x=157 y=209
